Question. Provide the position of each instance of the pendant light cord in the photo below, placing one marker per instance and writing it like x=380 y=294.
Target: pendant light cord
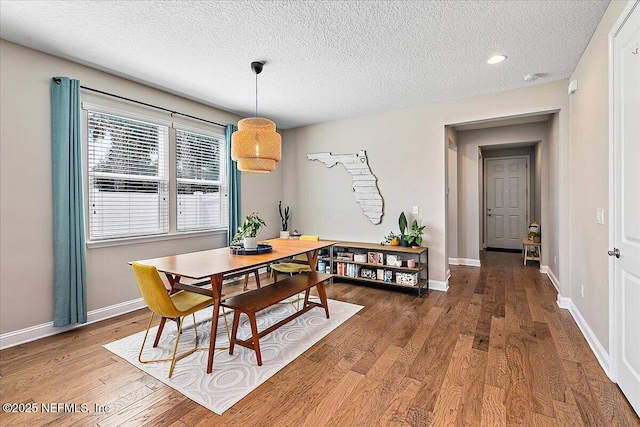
x=256 y=94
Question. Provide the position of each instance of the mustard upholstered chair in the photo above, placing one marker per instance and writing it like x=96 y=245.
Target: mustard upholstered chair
x=171 y=306
x=295 y=265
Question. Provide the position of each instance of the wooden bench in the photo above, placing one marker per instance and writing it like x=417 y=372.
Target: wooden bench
x=252 y=302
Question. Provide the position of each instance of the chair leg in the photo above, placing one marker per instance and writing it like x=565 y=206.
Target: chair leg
x=175 y=346
x=145 y=340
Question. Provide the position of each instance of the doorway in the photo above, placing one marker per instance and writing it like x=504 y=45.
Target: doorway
x=506 y=201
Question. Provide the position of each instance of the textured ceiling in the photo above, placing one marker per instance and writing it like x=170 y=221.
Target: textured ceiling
x=326 y=60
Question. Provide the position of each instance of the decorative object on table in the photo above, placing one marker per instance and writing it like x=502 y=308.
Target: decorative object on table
x=411 y=263
x=344 y=256
x=295 y=234
x=410 y=279
x=372 y=257
x=402 y=224
x=262 y=248
x=367 y=273
x=360 y=257
x=248 y=231
x=256 y=145
x=364 y=186
x=391 y=239
x=380 y=274
x=399 y=263
x=414 y=238
x=534 y=232
x=388 y=276
x=284 y=217
x=391 y=259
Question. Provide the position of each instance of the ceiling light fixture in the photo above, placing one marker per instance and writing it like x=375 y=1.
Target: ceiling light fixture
x=530 y=77
x=256 y=145
x=496 y=59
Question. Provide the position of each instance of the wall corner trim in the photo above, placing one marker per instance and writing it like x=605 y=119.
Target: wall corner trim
x=32 y=333
x=437 y=285
x=597 y=348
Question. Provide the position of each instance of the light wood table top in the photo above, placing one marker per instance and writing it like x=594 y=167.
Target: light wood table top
x=213 y=262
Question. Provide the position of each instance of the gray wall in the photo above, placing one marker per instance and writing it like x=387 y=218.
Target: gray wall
x=589 y=175
x=407 y=151
x=26 y=263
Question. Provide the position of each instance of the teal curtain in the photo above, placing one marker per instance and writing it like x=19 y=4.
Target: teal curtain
x=233 y=183
x=70 y=258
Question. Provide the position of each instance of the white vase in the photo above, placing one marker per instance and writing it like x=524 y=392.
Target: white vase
x=250 y=242
x=284 y=234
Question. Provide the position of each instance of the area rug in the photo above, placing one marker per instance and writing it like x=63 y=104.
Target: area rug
x=234 y=376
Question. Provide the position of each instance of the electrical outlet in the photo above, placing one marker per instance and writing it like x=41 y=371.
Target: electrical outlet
x=582 y=290
x=600 y=215
x=416 y=210
x=555 y=259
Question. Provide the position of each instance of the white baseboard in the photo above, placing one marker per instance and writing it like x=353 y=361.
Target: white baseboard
x=437 y=285
x=43 y=330
x=552 y=277
x=597 y=348
x=32 y=333
x=454 y=261
x=469 y=262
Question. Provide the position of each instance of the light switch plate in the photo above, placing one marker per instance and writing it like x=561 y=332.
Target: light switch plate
x=600 y=215
x=416 y=210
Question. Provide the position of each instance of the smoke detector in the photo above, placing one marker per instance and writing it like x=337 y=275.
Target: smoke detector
x=530 y=77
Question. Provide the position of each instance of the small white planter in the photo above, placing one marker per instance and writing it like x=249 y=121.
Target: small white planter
x=284 y=234
x=250 y=242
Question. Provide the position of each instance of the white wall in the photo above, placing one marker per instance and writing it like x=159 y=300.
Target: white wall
x=470 y=224
x=26 y=232
x=407 y=152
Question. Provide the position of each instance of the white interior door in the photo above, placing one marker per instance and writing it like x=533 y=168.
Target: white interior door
x=506 y=201
x=626 y=205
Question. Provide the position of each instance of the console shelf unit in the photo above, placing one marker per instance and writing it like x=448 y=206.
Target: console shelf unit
x=420 y=255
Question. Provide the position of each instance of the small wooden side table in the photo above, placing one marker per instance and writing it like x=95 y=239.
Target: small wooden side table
x=531 y=251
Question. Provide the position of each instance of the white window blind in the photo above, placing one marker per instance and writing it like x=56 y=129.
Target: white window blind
x=201 y=178
x=128 y=177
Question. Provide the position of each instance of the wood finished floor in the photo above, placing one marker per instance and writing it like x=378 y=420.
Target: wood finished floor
x=494 y=351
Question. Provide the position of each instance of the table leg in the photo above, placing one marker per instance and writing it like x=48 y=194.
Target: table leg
x=216 y=286
x=312 y=257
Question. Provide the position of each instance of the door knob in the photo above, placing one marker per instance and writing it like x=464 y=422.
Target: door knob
x=615 y=252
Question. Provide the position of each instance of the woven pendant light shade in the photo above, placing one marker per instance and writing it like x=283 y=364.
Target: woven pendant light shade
x=256 y=145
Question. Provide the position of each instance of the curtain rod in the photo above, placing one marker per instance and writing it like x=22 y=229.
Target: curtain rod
x=145 y=104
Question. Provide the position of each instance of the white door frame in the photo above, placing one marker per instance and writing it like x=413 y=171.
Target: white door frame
x=613 y=295
x=483 y=208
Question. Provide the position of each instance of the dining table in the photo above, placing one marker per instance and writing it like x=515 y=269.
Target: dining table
x=215 y=265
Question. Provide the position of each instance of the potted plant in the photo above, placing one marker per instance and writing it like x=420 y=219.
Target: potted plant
x=391 y=239
x=284 y=216
x=414 y=238
x=248 y=231
x=402 y=223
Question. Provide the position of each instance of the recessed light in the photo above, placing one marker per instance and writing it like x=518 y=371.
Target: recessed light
x=496 y=59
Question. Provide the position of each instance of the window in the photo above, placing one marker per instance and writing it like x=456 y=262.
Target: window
x=132 y=175
x=127 y=177
x=201 y=201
